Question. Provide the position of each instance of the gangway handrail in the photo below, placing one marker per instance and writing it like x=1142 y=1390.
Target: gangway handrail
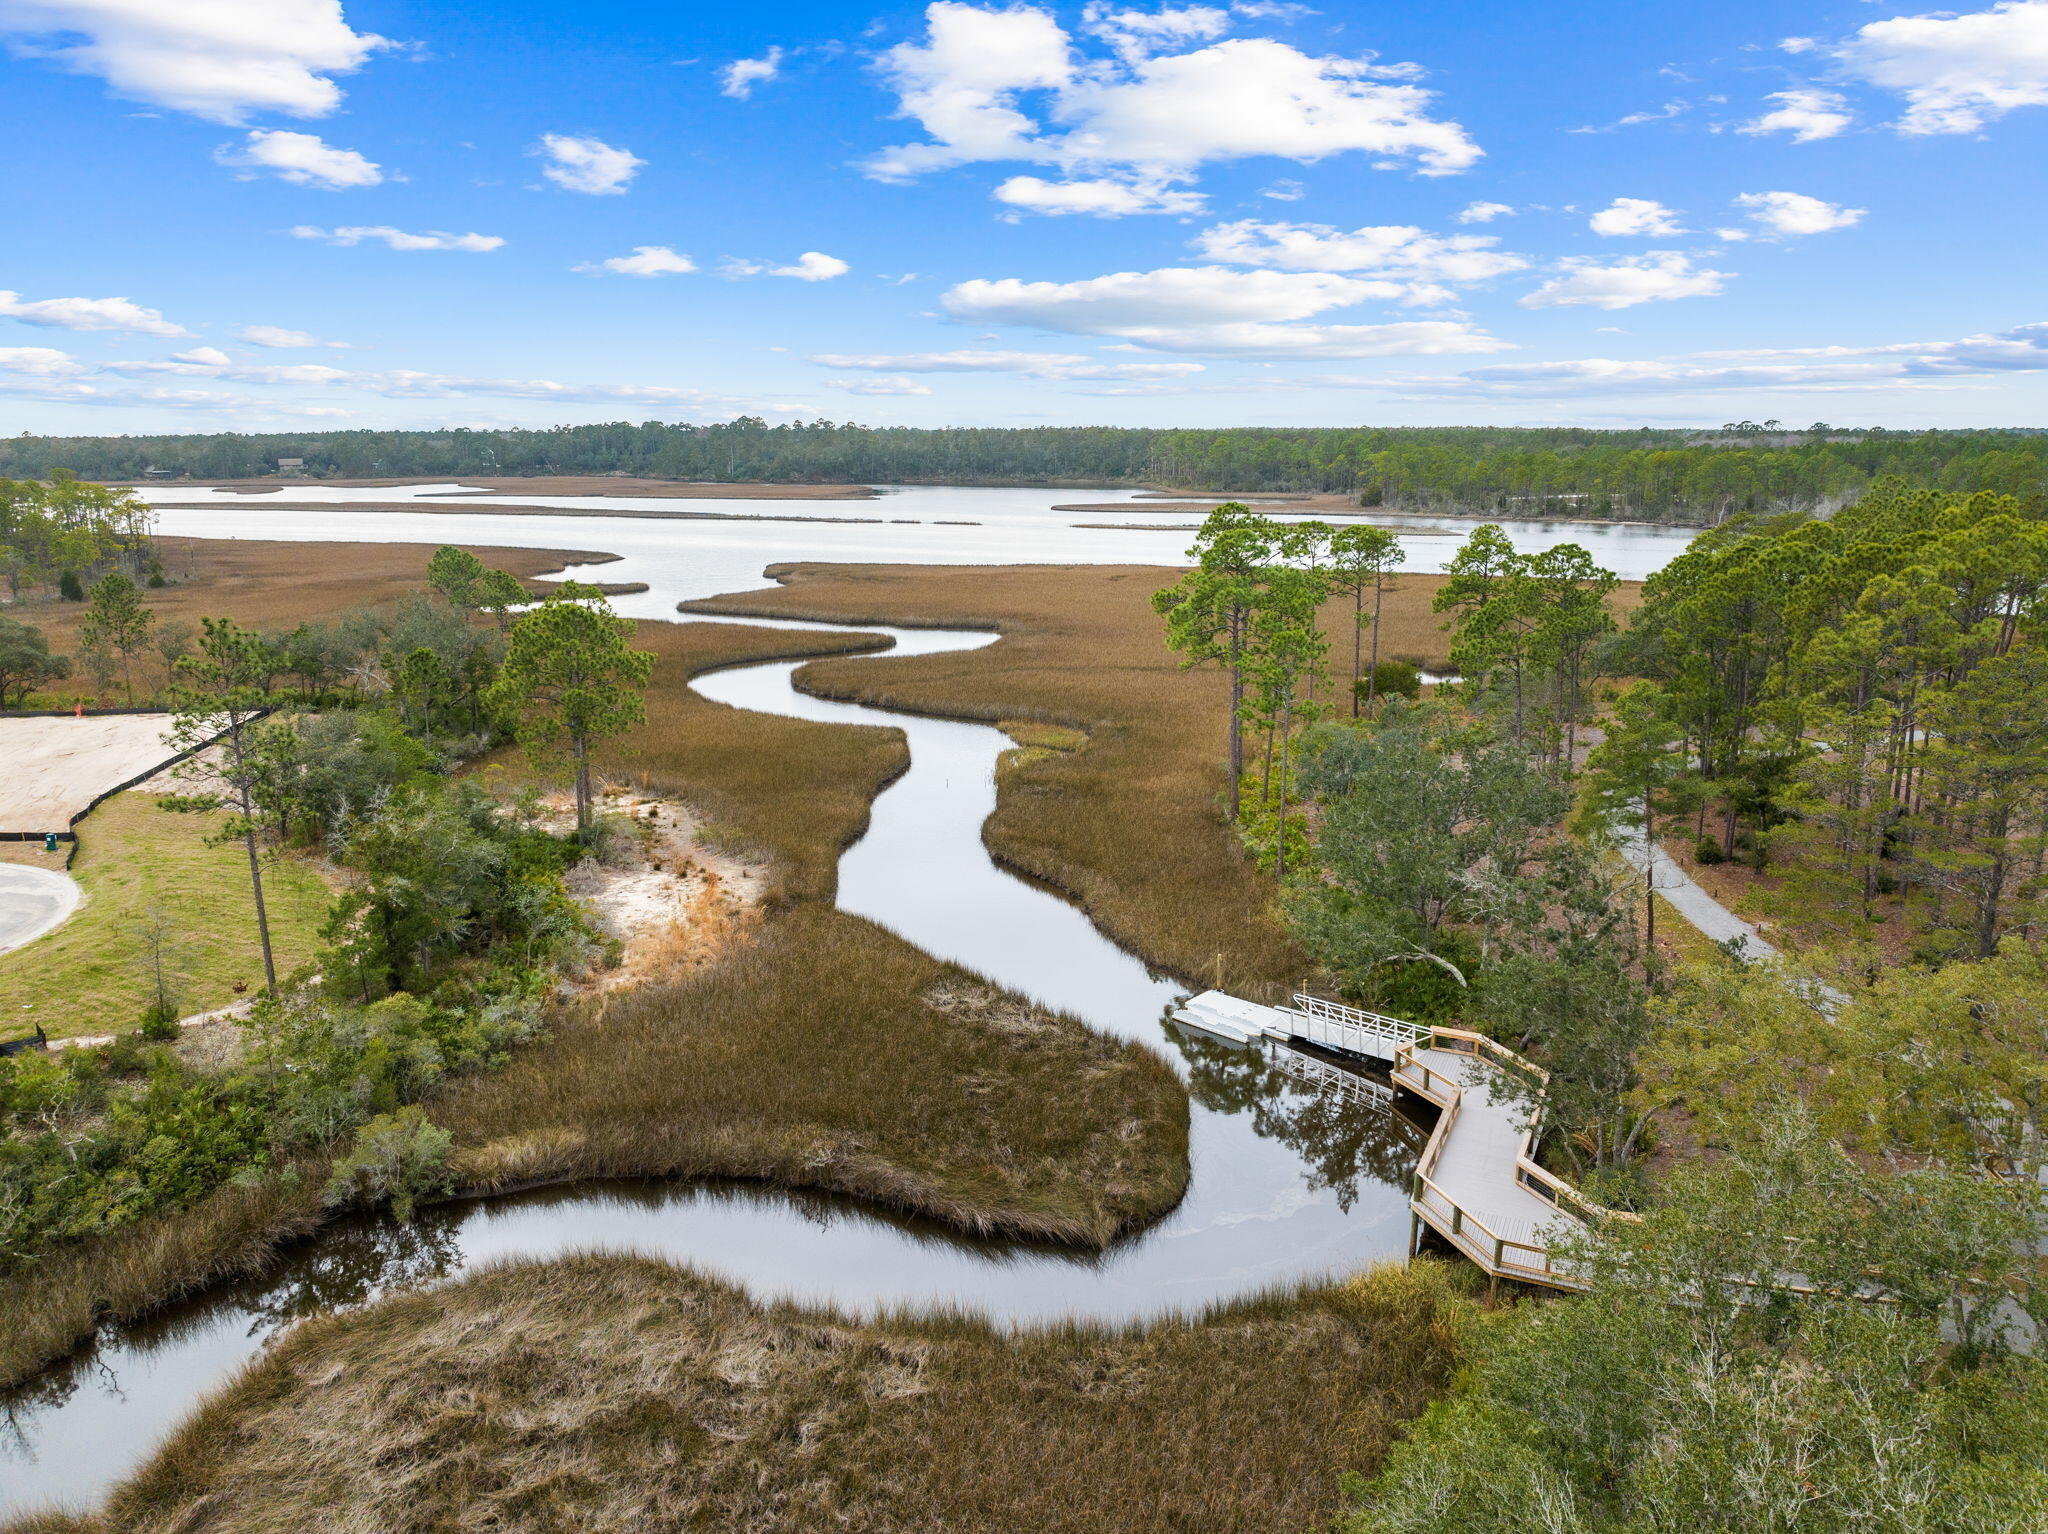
x=1357 y=1017
x=1336 y=1026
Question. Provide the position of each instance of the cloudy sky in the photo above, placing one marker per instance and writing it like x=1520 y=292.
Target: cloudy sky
x=268 y=214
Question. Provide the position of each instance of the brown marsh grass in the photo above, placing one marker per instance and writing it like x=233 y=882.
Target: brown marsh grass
x=1132 y=825
x=612 y=1393
x=817 y=1057
x=50 y=1306
x=830 y=1054
x=265 y=584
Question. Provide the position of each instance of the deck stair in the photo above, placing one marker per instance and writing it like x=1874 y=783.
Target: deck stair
x=1477 y=1181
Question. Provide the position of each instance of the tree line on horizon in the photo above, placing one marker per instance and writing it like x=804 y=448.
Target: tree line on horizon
x=1659 y=475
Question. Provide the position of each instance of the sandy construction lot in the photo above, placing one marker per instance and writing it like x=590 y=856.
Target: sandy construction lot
x=50 y=769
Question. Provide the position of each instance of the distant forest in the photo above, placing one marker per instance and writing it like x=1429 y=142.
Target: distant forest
x=1673 y=476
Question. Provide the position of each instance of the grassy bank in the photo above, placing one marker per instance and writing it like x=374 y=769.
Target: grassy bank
x=830 y=1054
x=151 y=881
x=267 y=584
x=618 y=1393
x=1132 y=824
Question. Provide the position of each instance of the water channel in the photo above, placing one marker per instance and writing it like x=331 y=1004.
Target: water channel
x=1299 y=1169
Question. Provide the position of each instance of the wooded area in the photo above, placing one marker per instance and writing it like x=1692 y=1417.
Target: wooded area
x=1676 y=476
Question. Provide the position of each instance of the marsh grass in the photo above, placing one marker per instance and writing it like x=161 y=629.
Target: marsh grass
x=830 y=1054
x=49 y=1306
x=1131 y=823
x=792 y=790
x=616 y=1393
x=268 y=585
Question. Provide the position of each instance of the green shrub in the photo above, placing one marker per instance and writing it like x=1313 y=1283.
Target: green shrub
x=1707 y=852
x=401 y=1156
x=1390 y=679
x=70 y=587
x=160 y=1021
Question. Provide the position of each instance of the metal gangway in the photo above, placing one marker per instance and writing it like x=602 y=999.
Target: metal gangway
x=1311 y=1020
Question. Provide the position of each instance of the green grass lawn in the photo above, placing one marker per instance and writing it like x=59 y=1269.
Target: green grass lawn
x=93 y=974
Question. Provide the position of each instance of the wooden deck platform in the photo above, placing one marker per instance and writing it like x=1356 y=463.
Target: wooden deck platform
x=1478 y=1184
x=1477 y=1181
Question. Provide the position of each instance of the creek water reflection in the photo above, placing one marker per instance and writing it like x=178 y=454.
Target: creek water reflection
x=1299 y=1166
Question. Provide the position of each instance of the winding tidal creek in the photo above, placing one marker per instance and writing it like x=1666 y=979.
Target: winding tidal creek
x=1299 y=1168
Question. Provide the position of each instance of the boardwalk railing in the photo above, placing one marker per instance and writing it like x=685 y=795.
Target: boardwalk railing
x=1521 y=1253
x=1352 y=1030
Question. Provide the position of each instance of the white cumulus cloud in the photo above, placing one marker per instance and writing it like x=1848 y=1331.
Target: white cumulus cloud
x=645 y=261
x=1400 y=251
x=398 y=239
x=1101 y=197
x=1885 y=370
x=1637 y=216
x=39 y=361
x=1134 y=35
x=739 y=78
x=218 y=59
x=1807 y=114
x=1056 y=366
x=587 y=165
x=279 y=338
x=1152 y=112
x=88 y=314
x=1483 y=212
x=878 y=385
x=1956 y=72
x=811 y=266
x=1651 y=278
x=1215 y=310
x=303 y=159
x=1792 y=213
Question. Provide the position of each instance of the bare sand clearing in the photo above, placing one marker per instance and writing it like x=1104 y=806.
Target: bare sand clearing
x=675 y=902
x=563 y=484
x=54 y=768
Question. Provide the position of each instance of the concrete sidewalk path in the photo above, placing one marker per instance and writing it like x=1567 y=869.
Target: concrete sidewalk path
x=1702 y=910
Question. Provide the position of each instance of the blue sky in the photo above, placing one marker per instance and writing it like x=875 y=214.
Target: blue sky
x=275 y=214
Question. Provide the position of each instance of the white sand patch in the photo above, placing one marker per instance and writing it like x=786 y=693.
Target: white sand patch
x=675 y=903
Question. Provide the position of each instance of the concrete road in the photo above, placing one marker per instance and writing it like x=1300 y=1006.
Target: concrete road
x=32 y=901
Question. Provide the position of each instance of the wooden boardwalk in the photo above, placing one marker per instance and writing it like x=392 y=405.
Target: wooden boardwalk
x=1477 y=1182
